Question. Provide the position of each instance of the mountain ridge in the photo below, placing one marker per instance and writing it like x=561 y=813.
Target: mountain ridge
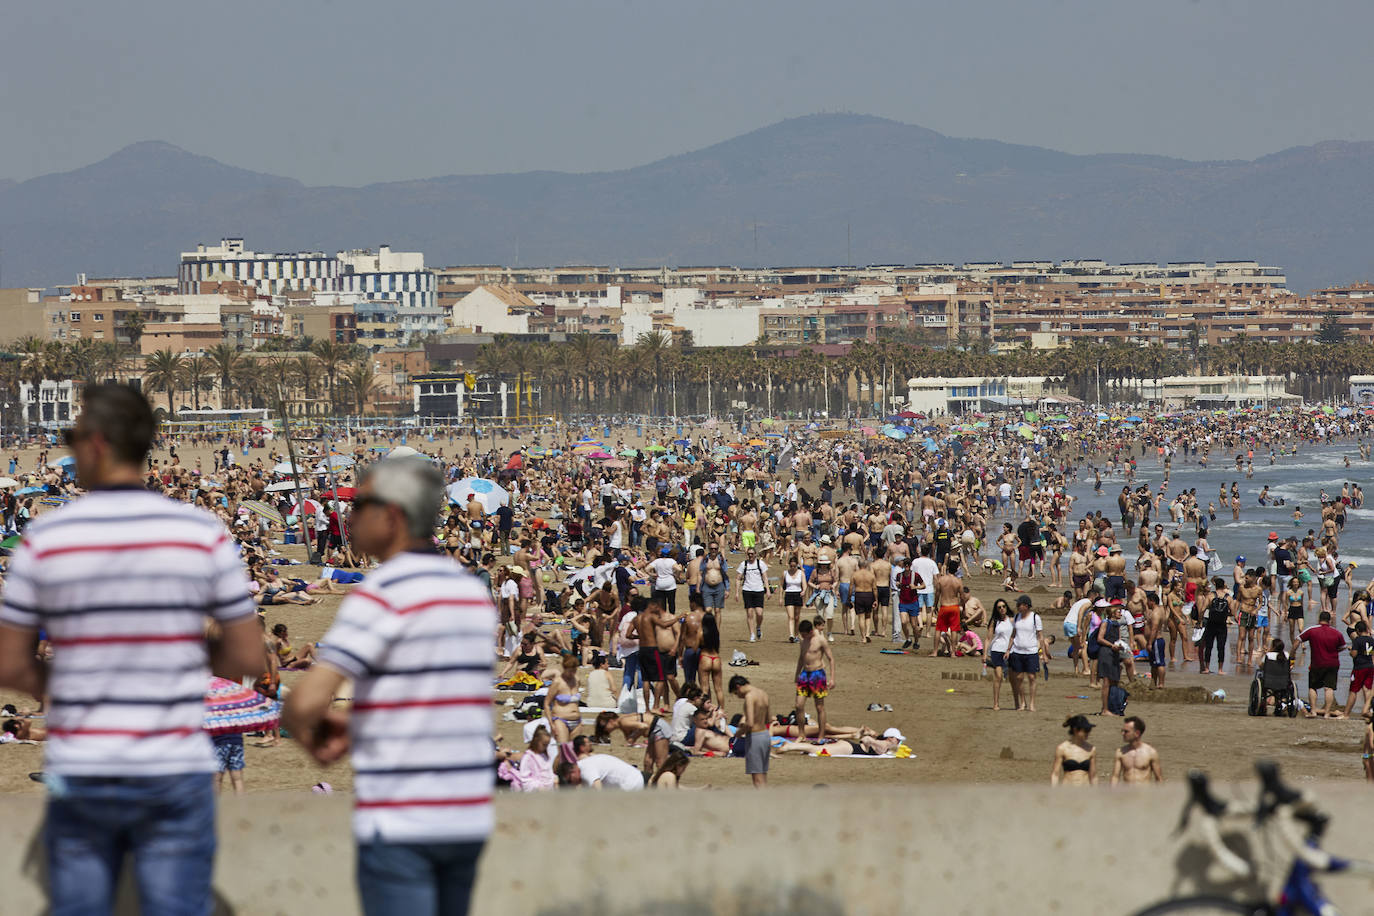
x=813 y=186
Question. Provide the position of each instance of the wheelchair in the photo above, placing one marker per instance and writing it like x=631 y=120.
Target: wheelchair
x=1273 y=679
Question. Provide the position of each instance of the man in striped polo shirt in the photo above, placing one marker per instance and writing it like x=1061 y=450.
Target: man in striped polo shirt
x=415 y=639
x=123 y=581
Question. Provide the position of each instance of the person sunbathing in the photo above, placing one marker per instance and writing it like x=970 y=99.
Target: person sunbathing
x=288 y=659
x=844 y=747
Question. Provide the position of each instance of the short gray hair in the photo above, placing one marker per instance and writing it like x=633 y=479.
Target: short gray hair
x=412 y=485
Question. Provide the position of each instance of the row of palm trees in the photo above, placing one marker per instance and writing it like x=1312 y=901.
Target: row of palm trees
x=323 y=373
x=589 y=374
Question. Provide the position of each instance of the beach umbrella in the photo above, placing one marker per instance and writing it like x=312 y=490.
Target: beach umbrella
x=599 y=455
x=738 y=458
x=287 y=467
x=337 y=462
x=65 y=461
x=263 y=510
x=981 y=424
x=1134 y=420
x=893 y=432
x=756 y=442
x=6 y=482
x=684 y=442
x=930 y=429
x=11 y=541
x=27 y=490
x=311 y=507
x=259 y=429
x=910 y=415
x=343 y=493
x=282 y=486
x=628 y=453
x=929 y=444
x=867 y=430
x=233 y=709
x=1025 y=432
x=657 y=448
x=615 y=463
x=490 y=494
x=515 y=462
x=767 y=421
x=903 y=428
x=402 y=451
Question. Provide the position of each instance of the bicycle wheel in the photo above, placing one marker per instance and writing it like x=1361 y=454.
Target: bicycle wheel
x=1203 y=906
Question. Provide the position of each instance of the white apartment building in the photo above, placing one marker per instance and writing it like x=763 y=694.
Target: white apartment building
x=394 y=276
x=269 y=274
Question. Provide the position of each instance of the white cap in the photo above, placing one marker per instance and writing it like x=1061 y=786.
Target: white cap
x=894 y=733
x=1102 y=602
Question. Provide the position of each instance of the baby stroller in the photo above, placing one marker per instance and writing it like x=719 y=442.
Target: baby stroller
x=1274 y=679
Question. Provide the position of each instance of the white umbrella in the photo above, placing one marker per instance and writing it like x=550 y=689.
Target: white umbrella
x=282 y=486
x=335 y=462
x=287 y=467
x=8 y=482
x=311 y=508
x=489 y=493
x=405 y=451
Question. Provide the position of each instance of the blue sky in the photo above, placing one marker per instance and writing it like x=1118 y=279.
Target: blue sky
x=350 y=92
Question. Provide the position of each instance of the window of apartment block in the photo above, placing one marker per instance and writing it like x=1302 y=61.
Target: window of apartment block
x=97 y=316
x=76 y=316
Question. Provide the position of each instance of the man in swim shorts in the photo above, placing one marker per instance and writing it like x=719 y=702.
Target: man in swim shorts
x=813 y=661
x=949 y=594
x=755 y=729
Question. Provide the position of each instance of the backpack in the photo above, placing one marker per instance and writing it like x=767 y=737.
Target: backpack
x=1218 y=611
x=1116 y=700
x=1093 y=646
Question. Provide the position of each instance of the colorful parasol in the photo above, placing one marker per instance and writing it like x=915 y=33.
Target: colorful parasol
x=233 y=709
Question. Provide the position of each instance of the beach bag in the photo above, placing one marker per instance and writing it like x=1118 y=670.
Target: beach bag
x=1116 y=700
x=1197 y=635
x=1215 y=564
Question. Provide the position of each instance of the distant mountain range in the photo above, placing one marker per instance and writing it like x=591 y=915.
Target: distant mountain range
x=821 y=190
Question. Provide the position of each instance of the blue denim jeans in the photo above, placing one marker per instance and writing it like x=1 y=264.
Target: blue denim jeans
x=631 y=677
x=167 y=823
x=417 y=879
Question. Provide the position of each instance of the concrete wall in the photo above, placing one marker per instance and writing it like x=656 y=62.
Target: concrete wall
x=830 y=851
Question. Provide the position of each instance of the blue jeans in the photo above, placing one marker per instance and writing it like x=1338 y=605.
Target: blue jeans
x=167 y=823
x=417 y=879
x=631 y=677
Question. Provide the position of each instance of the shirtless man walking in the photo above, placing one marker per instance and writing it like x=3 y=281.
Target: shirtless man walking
x=755 y=725
x=949 y=594
x=815 y=673
x=1137 y=763
x=864 y=591
x=845 y=568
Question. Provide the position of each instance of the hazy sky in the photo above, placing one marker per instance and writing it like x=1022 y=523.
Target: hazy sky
x=348 y=92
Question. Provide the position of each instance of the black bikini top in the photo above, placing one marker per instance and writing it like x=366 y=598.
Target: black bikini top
x=1071 y=765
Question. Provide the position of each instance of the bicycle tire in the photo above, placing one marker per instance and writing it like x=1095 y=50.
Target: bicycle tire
x=1204 y=906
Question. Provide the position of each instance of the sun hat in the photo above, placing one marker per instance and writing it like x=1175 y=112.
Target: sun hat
x=894 y=733
x=1102 y=551
x=515 y=570
x=1273 y=535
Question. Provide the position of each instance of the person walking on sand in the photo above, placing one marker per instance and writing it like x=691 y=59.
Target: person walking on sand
x=755 y=729
x=1027 y=647
x=815 y=674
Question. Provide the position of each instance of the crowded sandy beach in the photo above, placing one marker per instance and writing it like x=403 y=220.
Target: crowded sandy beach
x=979 y=599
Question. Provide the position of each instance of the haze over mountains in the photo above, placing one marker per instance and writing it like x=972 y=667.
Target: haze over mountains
x=781 y=195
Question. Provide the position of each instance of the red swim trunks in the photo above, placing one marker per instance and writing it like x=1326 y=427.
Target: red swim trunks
x=947 y=621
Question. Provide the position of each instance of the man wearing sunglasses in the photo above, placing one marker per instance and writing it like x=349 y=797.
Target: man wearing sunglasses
x=123 y=582
x=415 y=639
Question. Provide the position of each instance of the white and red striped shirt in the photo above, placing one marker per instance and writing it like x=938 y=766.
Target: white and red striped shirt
x=416 y=640
x=121 y=582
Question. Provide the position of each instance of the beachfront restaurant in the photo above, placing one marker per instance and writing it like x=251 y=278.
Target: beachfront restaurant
x=941 y=395
x=1219 y=391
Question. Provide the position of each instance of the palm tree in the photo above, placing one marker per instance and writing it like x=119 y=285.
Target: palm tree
x=162 y=371
x=654 y=345
x=331 y=355
x=109 y=359
x=81 y=357
x=361 y=381
x=225 y=360
x=132 y=327
x=307 y=372
x=199 y=375
x=247 y=382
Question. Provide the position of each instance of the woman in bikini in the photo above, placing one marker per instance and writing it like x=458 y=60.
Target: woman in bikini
x=563 y=703
x=633 y=725
x=289 y=659
x=846 y=747
x=1075 y=760
x=709 y=666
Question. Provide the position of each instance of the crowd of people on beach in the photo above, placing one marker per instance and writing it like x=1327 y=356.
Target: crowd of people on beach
x=597 y=573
